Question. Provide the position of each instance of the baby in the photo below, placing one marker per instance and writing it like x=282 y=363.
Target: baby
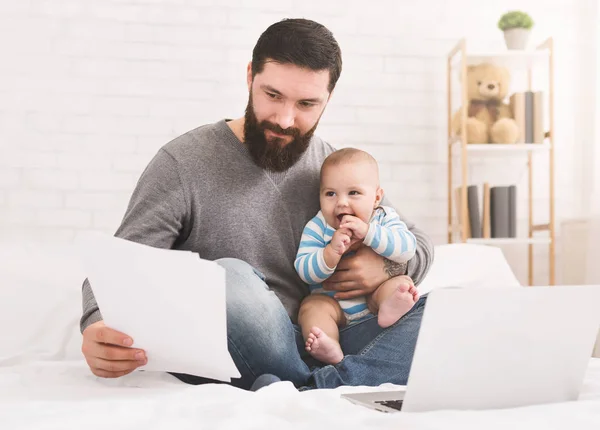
x=351 y=216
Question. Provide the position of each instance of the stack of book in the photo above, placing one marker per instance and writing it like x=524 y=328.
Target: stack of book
x=496 y=217
x=528 y=110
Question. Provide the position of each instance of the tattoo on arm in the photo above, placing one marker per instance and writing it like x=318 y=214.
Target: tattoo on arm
x=394 y=269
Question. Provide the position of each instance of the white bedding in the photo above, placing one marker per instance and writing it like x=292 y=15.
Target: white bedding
x=64 y=395
x=44 y=383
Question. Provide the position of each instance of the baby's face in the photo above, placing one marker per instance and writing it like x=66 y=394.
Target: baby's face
x=349 y=188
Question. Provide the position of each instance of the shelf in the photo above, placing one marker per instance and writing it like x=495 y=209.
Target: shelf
x=535 y=64
x=508 y=147
x=511 y=241
x=496 y=148
x=511 y=59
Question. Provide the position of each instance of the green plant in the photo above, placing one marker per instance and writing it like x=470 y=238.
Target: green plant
x=515 y=19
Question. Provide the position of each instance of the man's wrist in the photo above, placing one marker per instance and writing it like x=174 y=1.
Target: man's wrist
x=89 y=318
x=393 y=269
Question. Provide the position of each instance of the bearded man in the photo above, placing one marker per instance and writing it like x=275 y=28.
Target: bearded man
x=239 y=192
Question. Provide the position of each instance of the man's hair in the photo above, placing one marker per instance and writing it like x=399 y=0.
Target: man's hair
x=301 y=42
x=347 y=155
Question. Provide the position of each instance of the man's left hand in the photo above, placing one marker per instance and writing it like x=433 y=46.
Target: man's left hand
x=357 y=275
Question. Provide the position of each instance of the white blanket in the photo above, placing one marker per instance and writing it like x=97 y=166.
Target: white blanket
x=65 y=395
x=44 y=383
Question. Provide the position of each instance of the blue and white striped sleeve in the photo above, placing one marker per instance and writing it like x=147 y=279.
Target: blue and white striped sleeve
x=310 y=261
x=391 y=238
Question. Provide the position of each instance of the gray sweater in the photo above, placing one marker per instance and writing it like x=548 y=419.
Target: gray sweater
x=203 y=193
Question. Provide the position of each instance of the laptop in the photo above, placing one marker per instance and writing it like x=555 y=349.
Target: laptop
x=494 y=348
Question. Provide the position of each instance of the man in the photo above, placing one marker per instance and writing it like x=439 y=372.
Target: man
x=240 y=192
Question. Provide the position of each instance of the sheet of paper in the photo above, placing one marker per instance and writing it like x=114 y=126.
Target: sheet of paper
x=468 y=265
x=172 y=303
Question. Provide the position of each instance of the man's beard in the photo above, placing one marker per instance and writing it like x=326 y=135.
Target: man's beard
x=273 y=154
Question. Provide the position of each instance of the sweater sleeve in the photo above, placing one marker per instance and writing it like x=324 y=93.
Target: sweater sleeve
x=155 y=216
x=310 y=261
x=390 y=238
x=418 y=266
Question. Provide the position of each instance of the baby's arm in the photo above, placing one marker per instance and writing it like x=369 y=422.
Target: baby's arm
x=391 y=238
x=310 y=260
x=316 y=260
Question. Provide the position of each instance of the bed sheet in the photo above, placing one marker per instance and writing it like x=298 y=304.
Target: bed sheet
x=44 y=384
x=65 y=395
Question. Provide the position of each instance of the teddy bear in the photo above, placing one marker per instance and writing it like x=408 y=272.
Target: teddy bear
x=489 y=118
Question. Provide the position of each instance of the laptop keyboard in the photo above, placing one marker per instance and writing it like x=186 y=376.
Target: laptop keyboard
x=394 y=404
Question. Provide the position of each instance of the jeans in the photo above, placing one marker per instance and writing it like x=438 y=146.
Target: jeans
x=262 y=339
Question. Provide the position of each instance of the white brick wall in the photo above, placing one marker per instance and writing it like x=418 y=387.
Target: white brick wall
x=90 y=90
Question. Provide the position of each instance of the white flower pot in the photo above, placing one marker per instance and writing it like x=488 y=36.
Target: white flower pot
x=516 y=38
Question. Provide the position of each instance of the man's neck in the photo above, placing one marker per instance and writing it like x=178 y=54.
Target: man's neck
x=237 y=126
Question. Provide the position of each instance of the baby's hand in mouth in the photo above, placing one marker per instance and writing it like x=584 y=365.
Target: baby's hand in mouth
x=358 y=227
x=340 y=217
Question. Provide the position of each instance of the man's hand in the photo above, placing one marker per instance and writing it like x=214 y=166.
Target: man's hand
x=107 y=351
x=357 y=275
x=358 y=227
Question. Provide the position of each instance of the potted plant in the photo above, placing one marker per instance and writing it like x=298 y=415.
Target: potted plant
x=516 y=26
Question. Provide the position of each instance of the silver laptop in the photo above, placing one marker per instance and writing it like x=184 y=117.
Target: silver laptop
x=494 y=348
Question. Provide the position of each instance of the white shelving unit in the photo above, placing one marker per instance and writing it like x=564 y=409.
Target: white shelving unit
x=511 y=241
x=459 y=151
x=512 y=59
x=510 y=148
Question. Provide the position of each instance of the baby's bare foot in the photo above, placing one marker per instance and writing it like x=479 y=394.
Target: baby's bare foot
x=398 y=304
x=323 y=348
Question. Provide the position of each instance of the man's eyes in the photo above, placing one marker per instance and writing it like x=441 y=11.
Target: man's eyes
x=302 y=104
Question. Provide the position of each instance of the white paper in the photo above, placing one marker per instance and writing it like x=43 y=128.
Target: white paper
x=468 y=265
x=172 y=303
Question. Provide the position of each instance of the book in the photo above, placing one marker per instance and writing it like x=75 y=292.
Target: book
x=473 y=205
x=499 y=210
x=517 y=105
x=486 y=212
x=512 y=211
x=503 y=211
x=529 y=117
x=528 y=112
